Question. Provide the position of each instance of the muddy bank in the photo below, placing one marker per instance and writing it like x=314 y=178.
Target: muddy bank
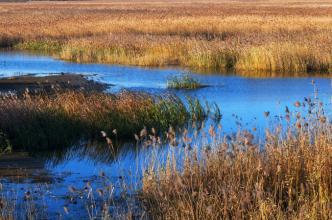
x=19 y=160
x=19 y=166
x=49 y=84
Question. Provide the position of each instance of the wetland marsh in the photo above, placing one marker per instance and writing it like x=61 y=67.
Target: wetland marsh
x=166 y=110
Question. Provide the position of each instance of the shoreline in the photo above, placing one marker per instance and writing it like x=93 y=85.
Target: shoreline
x=50 y=84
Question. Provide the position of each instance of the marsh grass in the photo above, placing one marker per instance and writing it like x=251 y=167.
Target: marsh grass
x=285 y=57
x=246 y=38
x=184 y=82
x=41 y=46
x=231 y=178
x=60 y=119
x=221 y=176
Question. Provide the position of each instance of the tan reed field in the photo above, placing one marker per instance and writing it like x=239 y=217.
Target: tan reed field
x=247 y=37
x=288 y=177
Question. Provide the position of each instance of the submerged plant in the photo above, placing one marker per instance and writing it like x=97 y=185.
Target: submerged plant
x=183 y=82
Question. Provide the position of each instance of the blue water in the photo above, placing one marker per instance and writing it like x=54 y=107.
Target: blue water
x=240 y=99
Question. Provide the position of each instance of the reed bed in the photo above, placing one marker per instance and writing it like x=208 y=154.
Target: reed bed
x=56 y=120
x=220 y=176
x=234 y=177
x=251 y=37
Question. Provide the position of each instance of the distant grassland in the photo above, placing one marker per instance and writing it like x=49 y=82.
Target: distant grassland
x=248 y=37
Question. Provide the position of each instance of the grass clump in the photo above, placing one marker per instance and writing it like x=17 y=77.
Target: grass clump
x=44 y=46
x=231 y=178
x=60 y=119
x=183 y=82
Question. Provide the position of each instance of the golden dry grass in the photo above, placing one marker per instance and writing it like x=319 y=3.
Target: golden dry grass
x=43 y=121
x=231 y=178
x=243 y=36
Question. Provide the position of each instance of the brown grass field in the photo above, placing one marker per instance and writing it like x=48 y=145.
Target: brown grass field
x=248 y=37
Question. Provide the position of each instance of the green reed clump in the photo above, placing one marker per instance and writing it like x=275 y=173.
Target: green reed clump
x=183 y=82
x=45 y=46
x=196 y=109
x=231 y=178
x=217 y=116
x=169 y=110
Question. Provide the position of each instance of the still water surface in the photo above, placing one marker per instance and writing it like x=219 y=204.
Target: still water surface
x=244 y=98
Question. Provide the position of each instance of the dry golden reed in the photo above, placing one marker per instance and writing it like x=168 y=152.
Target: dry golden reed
x=288 y=177
x=248 y=37
x=52 y=121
